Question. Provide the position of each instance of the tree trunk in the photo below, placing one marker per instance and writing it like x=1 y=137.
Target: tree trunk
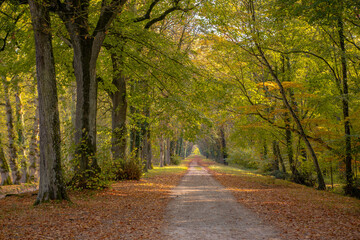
x=275 y=162
x=321 y=182
x=179 y=147
x=172 y=149
x=162 y=152
x=185 y=144
x=264 y=61
x=281 y=160
x=265 y=150
x=296 y=176
x=86 y=46
x=51 y=184
x=223 y=150
x=15 y=171
x=33 y=148
x=147 y=146
x=21 y=136
x=119 y=103
x=167 y=151
x=4 y=167
x=147 y=139
x=146 y=151
x=135 y=133
x=349 y=188
x=86 y=108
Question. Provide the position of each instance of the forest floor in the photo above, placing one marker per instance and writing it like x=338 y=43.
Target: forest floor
x=299 y=212
x=140 y=209
x=126 y=210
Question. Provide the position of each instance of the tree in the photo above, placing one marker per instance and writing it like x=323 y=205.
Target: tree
x=333 y=24
x=86 y=45
x=4 y=167
x=51 y=184
x=16 y=175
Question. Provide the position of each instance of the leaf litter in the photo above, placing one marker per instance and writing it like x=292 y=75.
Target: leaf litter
x=127 y=210
x=300 y=212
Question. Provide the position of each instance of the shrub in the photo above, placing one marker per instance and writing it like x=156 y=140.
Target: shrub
x=175 y=160
x=266 y=167
x=130 y=169
x=279 y=174
x=243 y=159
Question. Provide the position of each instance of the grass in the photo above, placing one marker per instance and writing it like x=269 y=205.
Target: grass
x=256 y=177
x=167 y=170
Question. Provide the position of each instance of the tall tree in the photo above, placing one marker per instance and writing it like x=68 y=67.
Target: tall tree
x=51 y=184
x=33 y=147
x=13 y=151
x=19 y=123
x=4 y=167
x=76 y=16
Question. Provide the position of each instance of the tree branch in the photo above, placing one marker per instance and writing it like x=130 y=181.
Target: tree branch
x=108 y=13
x=167 y=12
x=326 y=62
x=148 y=12
x=8 y=33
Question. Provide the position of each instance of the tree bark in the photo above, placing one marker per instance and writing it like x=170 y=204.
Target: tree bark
x=33 y=148
x=162 y=152
x=167 y=151
x=275 y=162
x=119 y=110
x=321 y=182
x=172 y=149
x=147 y=141
x=349 y=188
x=21 y=136
x=281 y=160
x=86 y=46
x=51 y=184
x=13 y=157
x=223 y=150
x=4 y=167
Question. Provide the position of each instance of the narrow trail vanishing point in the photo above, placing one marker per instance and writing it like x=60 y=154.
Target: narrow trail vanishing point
x=201 y=208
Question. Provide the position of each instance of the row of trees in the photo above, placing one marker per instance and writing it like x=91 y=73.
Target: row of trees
x=121 y=80
x=291 y=74
x=75 y=45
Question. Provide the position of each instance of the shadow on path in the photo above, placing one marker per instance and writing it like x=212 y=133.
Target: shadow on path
x=201 y=208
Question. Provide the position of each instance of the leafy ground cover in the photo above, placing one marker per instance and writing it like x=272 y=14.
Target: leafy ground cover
x=300 y=212
x=127 y=210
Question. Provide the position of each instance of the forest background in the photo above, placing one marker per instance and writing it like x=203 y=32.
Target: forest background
x=271 y=85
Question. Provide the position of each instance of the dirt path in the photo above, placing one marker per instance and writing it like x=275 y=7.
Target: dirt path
x=201 y=208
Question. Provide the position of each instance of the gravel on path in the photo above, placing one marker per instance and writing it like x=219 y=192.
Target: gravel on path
x=201 y=208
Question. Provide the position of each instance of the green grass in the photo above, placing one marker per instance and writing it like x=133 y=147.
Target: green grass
x=256 y=177
x=167 y=170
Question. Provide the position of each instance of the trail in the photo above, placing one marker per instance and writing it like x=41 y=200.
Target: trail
x=201 y=208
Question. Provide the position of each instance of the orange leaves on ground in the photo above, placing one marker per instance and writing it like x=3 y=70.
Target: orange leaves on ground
x=300 y=212
x=128 y=210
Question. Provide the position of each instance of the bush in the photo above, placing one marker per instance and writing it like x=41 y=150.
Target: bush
x=266 y=167
x=130 y=169
x=279 y=174
x=175 y=160
x=243 y=159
